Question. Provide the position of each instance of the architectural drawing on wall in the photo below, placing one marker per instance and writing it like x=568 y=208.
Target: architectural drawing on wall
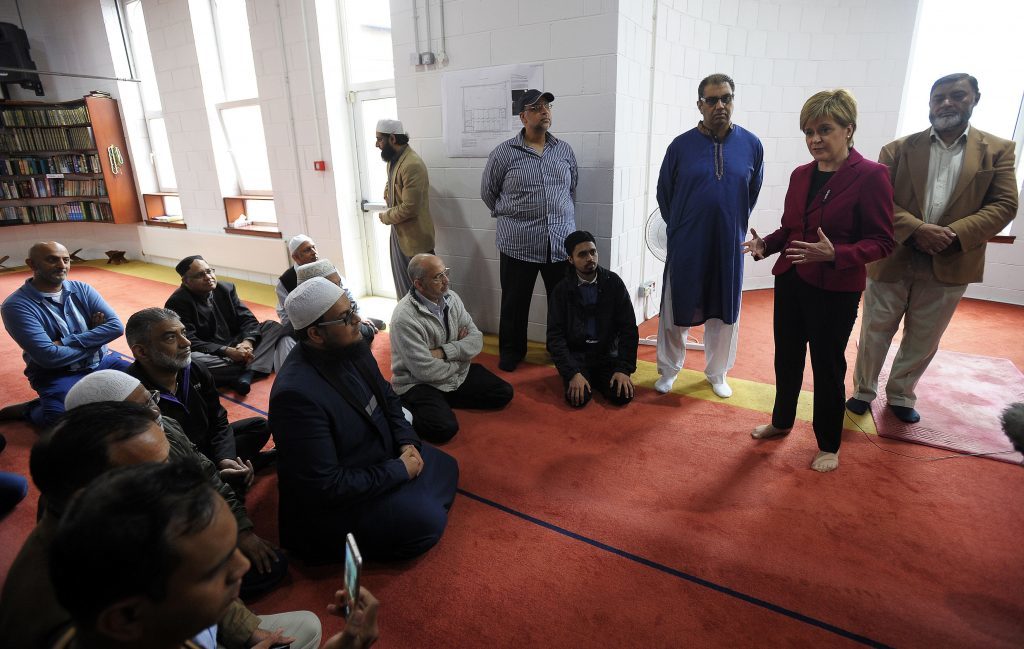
x=477 y=106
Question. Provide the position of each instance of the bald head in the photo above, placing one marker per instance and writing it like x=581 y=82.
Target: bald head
x=50 y=263
x=421 y=264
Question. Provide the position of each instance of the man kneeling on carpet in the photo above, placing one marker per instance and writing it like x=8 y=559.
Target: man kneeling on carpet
x=592 y=333
x=62 y=327
x=86 y=443
x=226 y=337
x=348 y=460
x=269 y=566
x=433 y=343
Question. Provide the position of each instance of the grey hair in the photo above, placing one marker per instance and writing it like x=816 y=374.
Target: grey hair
x=137 y=329
x=417 y=266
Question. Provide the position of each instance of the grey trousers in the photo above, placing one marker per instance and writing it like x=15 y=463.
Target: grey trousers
x=225 y=371
x=400 y=267
x=925 y=305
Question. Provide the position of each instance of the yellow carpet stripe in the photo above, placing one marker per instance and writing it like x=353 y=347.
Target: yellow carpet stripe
x=750 y=395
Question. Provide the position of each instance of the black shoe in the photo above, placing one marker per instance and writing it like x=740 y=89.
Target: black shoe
x=3 y=443
x=379 y=324
x=857 y=406
x=16 y=410
x=243 y=384
x=264 y=459
x=507 y=364
x=905 y=414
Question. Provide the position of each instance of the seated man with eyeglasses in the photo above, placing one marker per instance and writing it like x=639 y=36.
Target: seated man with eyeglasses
x=163 y=362
x=433 y=343
x=226 y=337
x=324 y=268
x=348 y=460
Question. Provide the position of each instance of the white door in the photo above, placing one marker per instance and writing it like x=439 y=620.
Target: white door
x=370 y=106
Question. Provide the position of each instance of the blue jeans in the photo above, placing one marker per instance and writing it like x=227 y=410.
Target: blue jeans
x=53 y=386
x=13 y=488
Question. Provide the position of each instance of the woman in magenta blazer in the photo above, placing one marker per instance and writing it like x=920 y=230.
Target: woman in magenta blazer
x=837 y=218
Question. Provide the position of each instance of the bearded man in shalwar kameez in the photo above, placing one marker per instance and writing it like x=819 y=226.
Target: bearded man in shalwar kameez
x=707 y=188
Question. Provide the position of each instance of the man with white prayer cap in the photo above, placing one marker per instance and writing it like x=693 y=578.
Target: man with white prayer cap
x=324 y=268
x=348 y=461
x=268 y=565
x=406 y=195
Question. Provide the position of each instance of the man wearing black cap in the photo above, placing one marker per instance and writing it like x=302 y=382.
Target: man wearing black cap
x=529 y=184
x=226 y=337
x=592 y=334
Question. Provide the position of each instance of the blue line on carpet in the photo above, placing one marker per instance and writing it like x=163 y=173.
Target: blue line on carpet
x=725 y=590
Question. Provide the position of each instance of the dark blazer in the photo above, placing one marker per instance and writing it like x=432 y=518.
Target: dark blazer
x=982 y=203
x=616 y=324
x=240 y=320
x=854 y=209
x=331 y=455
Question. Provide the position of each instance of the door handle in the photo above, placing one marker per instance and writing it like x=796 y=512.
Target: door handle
x=371 y=206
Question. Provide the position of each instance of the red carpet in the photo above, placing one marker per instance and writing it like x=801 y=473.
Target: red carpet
x=960 y=399
x=664 y=525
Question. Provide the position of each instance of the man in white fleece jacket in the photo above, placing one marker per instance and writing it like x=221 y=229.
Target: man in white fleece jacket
x=433 y=343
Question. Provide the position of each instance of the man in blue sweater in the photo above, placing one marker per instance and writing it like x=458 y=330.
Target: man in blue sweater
x=62 y=327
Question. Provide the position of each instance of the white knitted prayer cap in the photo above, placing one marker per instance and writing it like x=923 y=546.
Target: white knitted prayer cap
x=101 y=385
x=391 y=126
x=310 y=300
x=296 y=241
x=318 y=268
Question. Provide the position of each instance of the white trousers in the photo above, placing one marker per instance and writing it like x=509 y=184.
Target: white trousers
x=925 y=305
x=719 y=342
x=301 y=625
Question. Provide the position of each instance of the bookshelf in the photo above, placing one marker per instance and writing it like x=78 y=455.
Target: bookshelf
x=65 y=162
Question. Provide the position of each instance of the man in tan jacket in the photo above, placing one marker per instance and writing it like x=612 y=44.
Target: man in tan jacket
x=954 y=189
x=406 y=194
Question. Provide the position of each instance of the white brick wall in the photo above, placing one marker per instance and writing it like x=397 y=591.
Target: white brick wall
x=576 y=42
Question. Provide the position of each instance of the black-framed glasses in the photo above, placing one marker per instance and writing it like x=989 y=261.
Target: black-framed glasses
x=443 y=275
x=713 y=101
x=345 y=319
x=203 y=273
x=154 y=397
x=538 y=107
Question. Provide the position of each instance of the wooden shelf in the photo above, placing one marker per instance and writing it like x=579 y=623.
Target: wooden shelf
x=104 y=120
x=256 y=230
x=181 y=225
x=53 y=200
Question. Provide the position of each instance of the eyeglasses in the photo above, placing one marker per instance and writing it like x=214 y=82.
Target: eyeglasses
x=345 y=319
x=203 y=273
x=444 y=274
x=154 y=397
x=713 y=101
x=536 y=108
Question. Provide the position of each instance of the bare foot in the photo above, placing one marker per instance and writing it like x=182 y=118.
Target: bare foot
x=825 y=462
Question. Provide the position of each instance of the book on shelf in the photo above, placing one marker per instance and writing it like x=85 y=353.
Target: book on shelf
x=45 y=116
x=72 y=163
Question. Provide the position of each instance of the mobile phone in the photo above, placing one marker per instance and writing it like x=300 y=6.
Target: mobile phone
x=353 y=567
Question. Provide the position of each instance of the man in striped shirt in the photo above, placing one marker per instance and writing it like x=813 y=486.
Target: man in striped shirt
x=529 y=184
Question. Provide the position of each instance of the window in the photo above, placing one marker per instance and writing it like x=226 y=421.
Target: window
x=159 y=144
x=948 y=39
x=368 y=36
x=239 y=111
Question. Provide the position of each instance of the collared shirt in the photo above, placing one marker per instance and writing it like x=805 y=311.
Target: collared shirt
x=533 y=197
x=439 y=311
x=944 y=165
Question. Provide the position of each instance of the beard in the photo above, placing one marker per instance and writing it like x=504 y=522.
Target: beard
x=387 y=152
x=949 y=122
x=347 y=353
x=169 y=361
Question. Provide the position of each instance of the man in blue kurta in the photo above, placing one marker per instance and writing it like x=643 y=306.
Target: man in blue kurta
x=62 y=327
x=708 y=186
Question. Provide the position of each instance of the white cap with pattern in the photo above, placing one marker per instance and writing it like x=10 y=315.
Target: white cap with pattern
x=101 y=385
x=391 y=126
x=296 y=241
x=310 y=300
